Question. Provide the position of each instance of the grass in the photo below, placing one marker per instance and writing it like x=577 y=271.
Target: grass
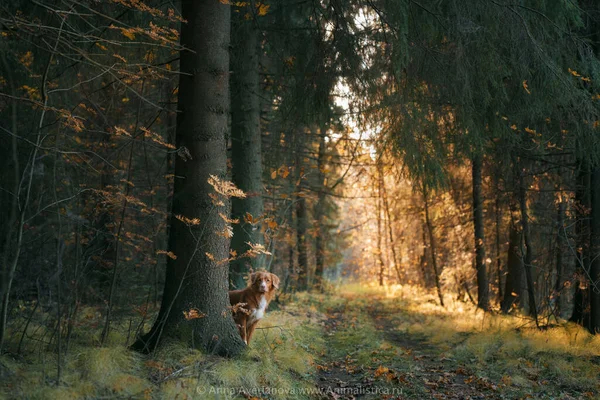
x=281 y=360
x=373 y=331
x=508 y=350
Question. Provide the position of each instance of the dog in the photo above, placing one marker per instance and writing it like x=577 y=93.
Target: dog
x=249 y=304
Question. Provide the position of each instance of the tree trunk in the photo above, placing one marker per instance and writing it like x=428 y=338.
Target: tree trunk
x=395 y=256
x=196 y=281
x=558 y=283
x=498 y=212
x=580 y=312
x=480 y=264
x=429 y=226
x=528 y=248
x=380 y=261
x=246 y=155
x=514 y=267
x=320 y=212
x=301 y=215
x=594 y=287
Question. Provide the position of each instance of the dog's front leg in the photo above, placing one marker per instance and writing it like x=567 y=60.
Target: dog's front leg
x=250 y=330
x=243 y=330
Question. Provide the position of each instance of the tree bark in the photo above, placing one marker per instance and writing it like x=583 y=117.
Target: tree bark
x=320 y=213
x=480 y=264
x=580 y=312
x=246 y=155
x=429 y=226
x=301 y=216
x=498 y=223
x=514 y=267
x=396 y=257
x=594 y=287
x=592 y=9
x=380 y=260
x=528 y=248
x=558 y=283
x=196 y=280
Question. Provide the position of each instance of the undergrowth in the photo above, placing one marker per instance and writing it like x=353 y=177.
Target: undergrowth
x=508 y=351
x=308 y=335
x=279 y=362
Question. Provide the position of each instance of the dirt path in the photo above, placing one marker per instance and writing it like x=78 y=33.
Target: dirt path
x=339 y=379
x=418 y=371
x=441 y=376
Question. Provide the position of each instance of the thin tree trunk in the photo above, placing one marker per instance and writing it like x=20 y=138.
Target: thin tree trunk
x=429 y=226
x=320 y=240
x=480 y=264
x=195 y=296
x=423 y=258
x=580 y=312
x=9 y=269
x=498 y=224
x=514 y=270
x=301 y=215
x=558 y=284
x=246 y=145
x=528 y=249
x=395 y=257
x=594 y=287
x=380 y=260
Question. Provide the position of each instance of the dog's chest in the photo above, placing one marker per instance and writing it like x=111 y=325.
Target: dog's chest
x=259 y=312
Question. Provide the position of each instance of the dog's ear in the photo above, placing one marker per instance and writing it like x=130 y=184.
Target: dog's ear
x=275 y=281
x=252 y=279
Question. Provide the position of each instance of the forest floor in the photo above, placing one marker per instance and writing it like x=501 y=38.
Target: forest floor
x=359 y=343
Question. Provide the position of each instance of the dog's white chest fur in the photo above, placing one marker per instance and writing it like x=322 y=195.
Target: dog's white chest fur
x=258 y=313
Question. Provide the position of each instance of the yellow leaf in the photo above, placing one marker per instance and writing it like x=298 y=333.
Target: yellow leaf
x=193 y=313
x=274 y=174
x=263 y=9
x=248 y=218
x=167 y=253
x=283 y=171
x=381 y=370
x=526 y=87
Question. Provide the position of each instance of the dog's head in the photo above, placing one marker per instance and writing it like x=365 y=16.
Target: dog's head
x=264 y=281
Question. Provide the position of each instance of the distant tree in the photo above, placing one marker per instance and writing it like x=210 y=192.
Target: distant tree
x=480 y=263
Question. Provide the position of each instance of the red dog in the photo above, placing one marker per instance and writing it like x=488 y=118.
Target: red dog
x=251 y=303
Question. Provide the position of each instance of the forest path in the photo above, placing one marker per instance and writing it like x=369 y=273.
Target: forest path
x=369 y=357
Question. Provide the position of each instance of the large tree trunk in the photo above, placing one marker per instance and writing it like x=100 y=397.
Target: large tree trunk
x=480 y=264
x=514 y=267
x=528 y=248
x=196 y=281
x=246 y=146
